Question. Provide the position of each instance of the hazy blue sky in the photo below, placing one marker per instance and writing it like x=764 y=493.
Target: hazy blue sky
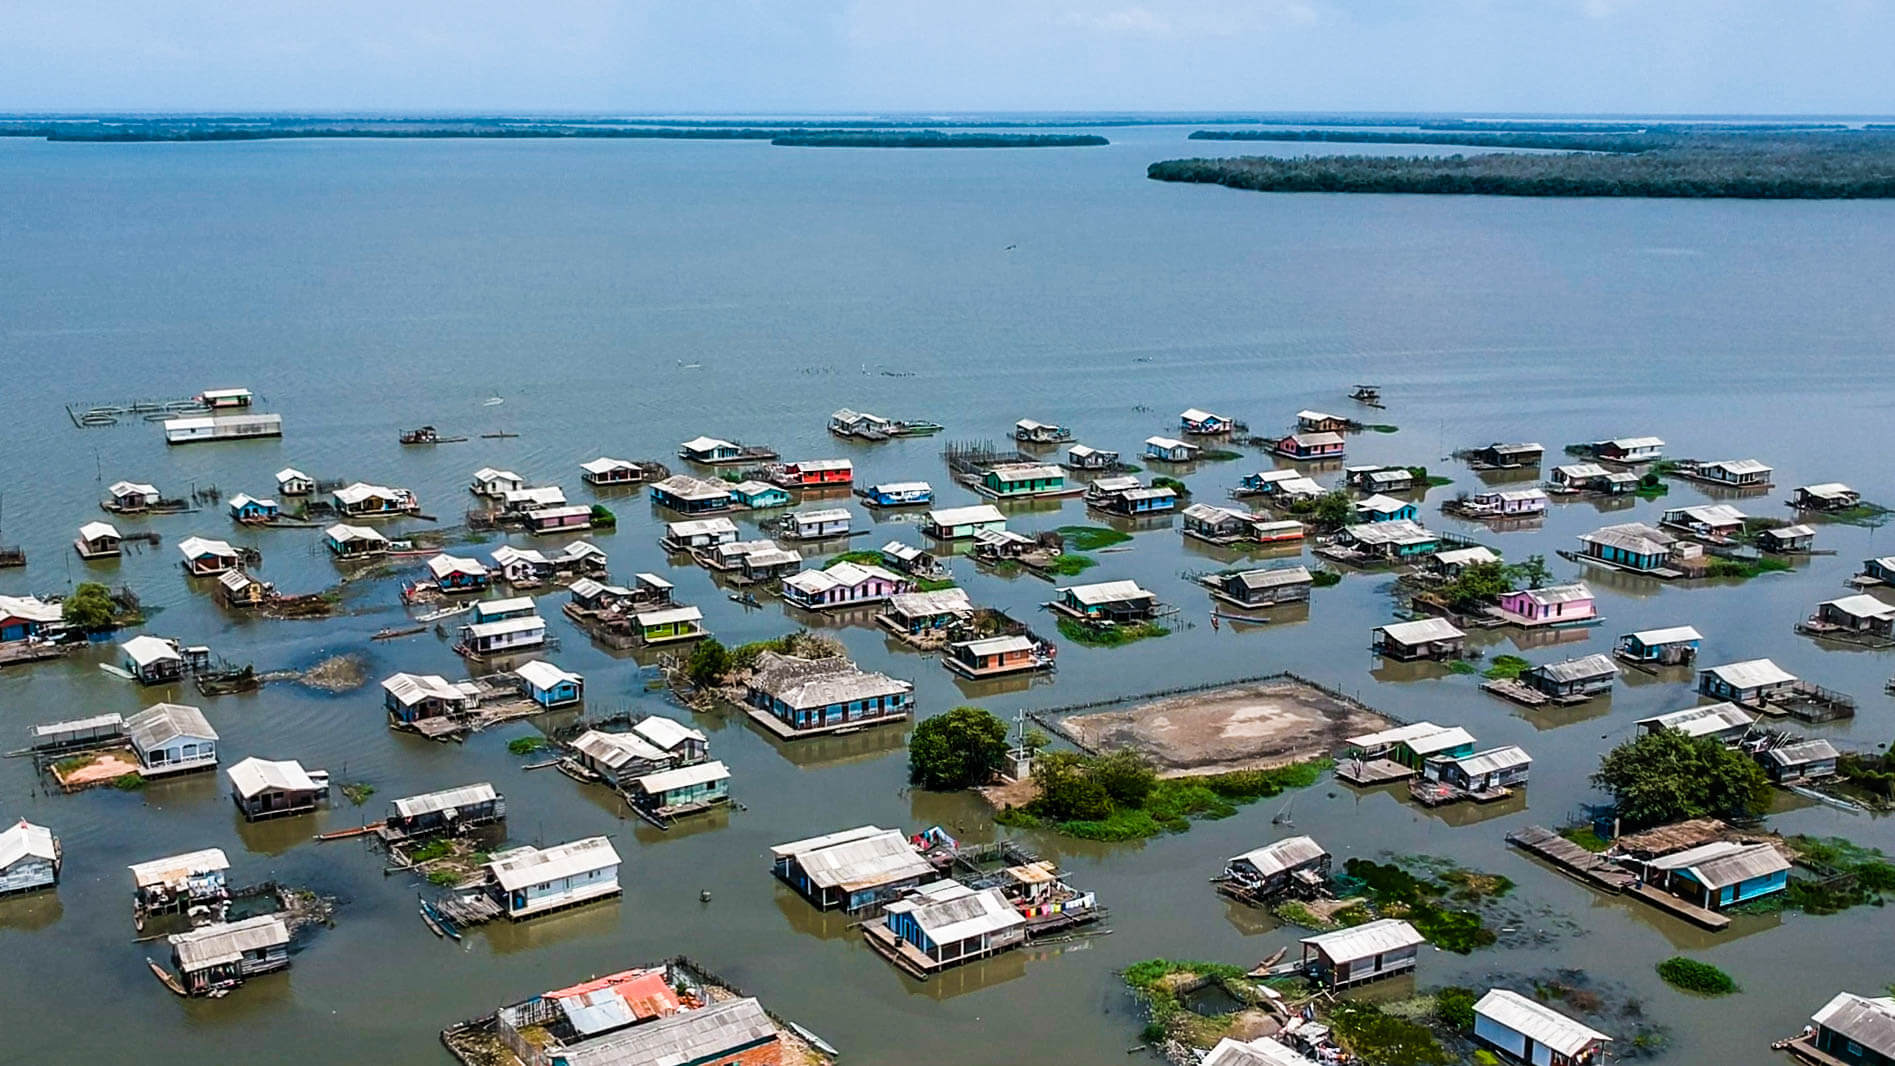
x=829 y=55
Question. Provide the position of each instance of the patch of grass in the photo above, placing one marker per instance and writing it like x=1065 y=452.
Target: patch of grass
x=1870 y=515
x=1297 y=913
x=1219 y=455
x=77 y=762
x=1070 y=564
x=858 y=557
x=1173 y=802
x=433 y=849
x=1155 y=984
x=1694 y=976
x=1423 y=478
x=358 y=792
x=1744 y=568
x=129 y=782
x=933 y=584
x=1108 y=636
x=1583 y=836
x=1377 y=1036
x=527 y=745
x=444 y=878
x=1396 y=893
x=1323 y=579
x=1849 y=875
x=1506 y=668
x=1462 y=666
x=1092 y=538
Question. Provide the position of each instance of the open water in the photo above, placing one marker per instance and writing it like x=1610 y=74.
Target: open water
x=623 y=296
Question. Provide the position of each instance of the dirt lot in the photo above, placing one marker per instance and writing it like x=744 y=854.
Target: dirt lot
x=1242 y=727
x=97 y=769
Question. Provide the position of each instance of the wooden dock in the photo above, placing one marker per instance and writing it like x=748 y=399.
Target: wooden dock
x=1509 y=689
x=1606 y=875
x=1367 y=773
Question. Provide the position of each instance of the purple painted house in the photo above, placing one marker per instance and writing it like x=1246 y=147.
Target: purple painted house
x=843 y=585
x=1553 y=605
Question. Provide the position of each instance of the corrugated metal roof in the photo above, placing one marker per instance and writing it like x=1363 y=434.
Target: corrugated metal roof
x=694 y=1036
x=1107 y=592
x=1511 y=757
x=176 y=869
x=253 y=776
x=1438 y=739
x=1752 y=673
x=1867 y=1021
x=161 y=723
x=1366 y=940
x=666 y=733
x=1538 y=1021
x=1395 y=735
x=23 y=839
x=1553 y=594
x=816 y=843
x=997 y=645
x=952 y=916
x=1421 y=631
x=865 y=861
x=1397 y=531
x=1285 y=854
x=145 y=650
x=941 y=601
x=616 y=749
x=966 y=516
x=1262 y=1051
x=445 y=800
x=519 y=867
x=1667 y=635
x=501 y=627
x=1861 y=605
x=1276 y=577
x=1802 y=753
x=218 y=945
x=1635 y=537
x=1580 y=669
x=1702 y=721
x=1733 y=865
x=410 y=689
x=683 y=777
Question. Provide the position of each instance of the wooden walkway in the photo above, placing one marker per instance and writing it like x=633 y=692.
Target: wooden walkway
x=1602 y=873
x=1372 y=772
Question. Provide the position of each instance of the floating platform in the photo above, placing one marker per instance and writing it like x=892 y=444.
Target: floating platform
x=1606 y=875
x=1370 y=772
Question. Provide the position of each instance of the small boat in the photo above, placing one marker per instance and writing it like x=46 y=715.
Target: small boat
x=427 y=435
x=497 y=436
x=1371 y=395
x=165 y=975
x=815 y=1041
x=492 y=401
x=1263 y=968
x=445 y=612
x=391 y=633
x=428 y=919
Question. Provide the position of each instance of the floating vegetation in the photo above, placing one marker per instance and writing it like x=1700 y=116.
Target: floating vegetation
x=1462 y=666
x=1110 y=798
x=603 y=517
x=1092 y=538
x=1218 y=455
x=1108 y=636
x=1584 y=836
x=1161 y=985
x=1866 y=514
x=1323 y=579
x=527 y=745
x=358 y=792
x=933 y=584
x=1744 y=568
x=1375 y=1035
x=1171 y=483
x=858 y=556
x=1069 y=564
x=1506 y=668
x=1396 y=893
x=1423 y=478
x=1693 y=976
x=1380 y=427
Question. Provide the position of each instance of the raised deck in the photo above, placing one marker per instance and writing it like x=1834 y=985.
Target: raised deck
x=1602 y=873
x=1370 y=772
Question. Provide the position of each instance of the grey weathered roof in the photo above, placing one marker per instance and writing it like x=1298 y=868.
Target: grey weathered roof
x=940 y=601
x=1861 y=605
x=617 y=749
x=1107 y=592
x=1702 y=721
x=410 y=689
x=519 y=867
x=1275 y=577
x=1725 y=862
x=445 y=800
x=176 y=869
x=1635 y=537
x=960 y=913
x=1285 y=854
x=254 y=776
x=1864 y=1020
x=1262 y=1051
x=864 y=861
x=1553 y=594
x=683 y=777
x=217 y=945
x=1509 y=757
x=1397 y=531
x=820 y=682
x=1586 y=666
x=691 y=1036
x=1667 y=635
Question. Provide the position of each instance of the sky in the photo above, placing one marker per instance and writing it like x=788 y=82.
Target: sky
x=835 y=56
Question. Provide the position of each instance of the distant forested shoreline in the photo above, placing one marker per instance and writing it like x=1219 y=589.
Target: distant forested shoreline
x=938 y=139
x=1771 y=165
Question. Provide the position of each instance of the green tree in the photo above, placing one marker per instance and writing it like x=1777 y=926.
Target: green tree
x=1479 y=583
x=89 y=606
x=1532 y=573
x=1126 y=776
x=1068 y=792
x=709 y=662
x=959 y=749
x=1333 y=510
x=1667 y=776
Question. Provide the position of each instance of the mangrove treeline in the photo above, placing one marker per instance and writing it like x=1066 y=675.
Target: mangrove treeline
x=1776 y=165
x=938 y=139
x=790 y=134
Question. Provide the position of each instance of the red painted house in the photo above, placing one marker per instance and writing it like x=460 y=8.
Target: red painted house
x=818 y=473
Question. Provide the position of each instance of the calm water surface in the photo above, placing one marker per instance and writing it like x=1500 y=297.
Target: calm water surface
x=624 y=296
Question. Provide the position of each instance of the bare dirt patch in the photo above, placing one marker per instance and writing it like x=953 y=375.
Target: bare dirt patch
x=99 y=768
x=1251 y=726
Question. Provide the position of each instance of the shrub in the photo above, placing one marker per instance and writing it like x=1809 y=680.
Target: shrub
x=708 y=664
x=88 y=607
x=1694 y=976
x=958 y=749
x=1454 y=1006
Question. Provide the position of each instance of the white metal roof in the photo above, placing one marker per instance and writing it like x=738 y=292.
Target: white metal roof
x=95 y=530
x=997 y=645
x=145 y=649
x=507 y=605
x=666 y=733
x=174 y=869
x=705 y=444
x=488 y=473
x=698 y=527
x=131 y=488
x=1725 y=862
x=940 y=601
x=1510 y=757
x=1262 y=1051
x=1366 y=940
x=683 y=777
x=816 y=843
x=1196 y=415
x=1466 y=556
x=1024 y=471
x=1752 y=673
x=1394 y=531
x=243 y=499
x=1283 y=855
x=1580 y=471
x=446 y=799
x=358 y=491
x=1861 y=605
x=1802 y=752
x=194 y=547
x=952 y=916
x=253 y=776
x=1865 y=1020
x=1425 y=744
x=537 y=496
x=977 y=514
x=826 y=514
x=669 y=616
x=606 y=464
x=1397 y=734
x=1741 y=466
x=1579 y=669
x=30 y=608
x=1709 y=514
x=691 y=488
x=342 y=532
x=1273 y=577
x=519 y=867
x=526 y=624
x=290 y=473
x=617 y=749
x=1702 y=721
x=888 y=487
x=1307 y=440
x=1667 y=635
x=1169 y=444
x=1421 y=630
x=24 y=838
x=1541 y=1023
x=1107 y=592
x=825 y=464
x=1634 y=443
x=1635 y=537
x=1213 y=515
x=410 y=689
x=1381 y=504
x=445 y=565
x=544 y=675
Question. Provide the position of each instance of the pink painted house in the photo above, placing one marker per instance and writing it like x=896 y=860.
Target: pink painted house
x=843 y=585
x=1553 y=605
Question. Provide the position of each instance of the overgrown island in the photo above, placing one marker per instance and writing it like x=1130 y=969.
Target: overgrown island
x=1769 y=163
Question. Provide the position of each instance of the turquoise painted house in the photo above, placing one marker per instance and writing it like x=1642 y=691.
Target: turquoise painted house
x=1023 y=479
x=1721 y=874
x=1380 y=508
x=758 y=495
x=681 y=790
